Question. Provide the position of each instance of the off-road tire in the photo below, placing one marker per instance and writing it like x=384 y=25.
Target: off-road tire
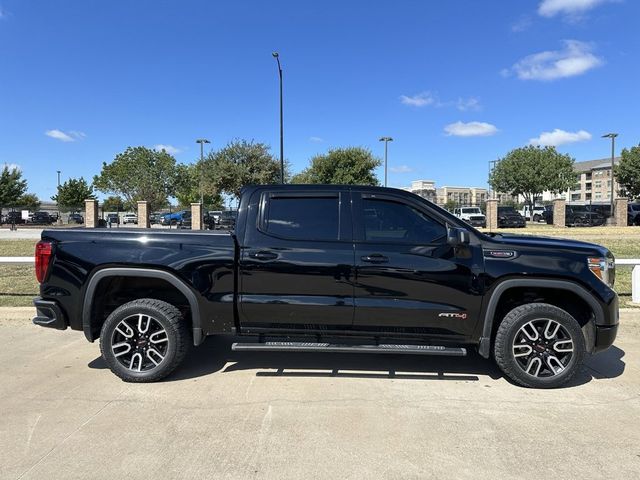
x=168 y=317
x=510 y=327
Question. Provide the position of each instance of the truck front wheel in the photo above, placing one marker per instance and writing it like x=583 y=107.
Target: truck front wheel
x=144 y=340
x=539 y=345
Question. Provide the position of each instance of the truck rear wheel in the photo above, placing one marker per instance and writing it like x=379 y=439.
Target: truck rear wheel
x=144 y=340
x=539 y=345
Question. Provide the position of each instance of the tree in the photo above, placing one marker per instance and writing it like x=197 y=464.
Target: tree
x=627 y=172
x=29 y=201
x=12 y=186
x=531 y=170
x=114 y=203
x=187 y=187
x=238 y=164
x=72 y=193
x=139 y=173
x=346 y=166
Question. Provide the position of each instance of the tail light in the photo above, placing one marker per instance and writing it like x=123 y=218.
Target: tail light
x=43 y=256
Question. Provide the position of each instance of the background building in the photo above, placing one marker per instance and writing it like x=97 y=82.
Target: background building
x=470 y=196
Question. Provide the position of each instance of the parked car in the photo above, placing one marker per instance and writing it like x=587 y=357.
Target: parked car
x=155 y=217
x=215 y=214
x=41 y=218
x=185 y=222
x=633 y=214
x=173 y=218
x=408 y=278
x=130 y=218
x=113 y=219
x=471 y=215
x=509 y=218
x=582 y=216
x=14 y=217
x=227 y=220
x=75 y=218
x=537 y=216
x=207 y=222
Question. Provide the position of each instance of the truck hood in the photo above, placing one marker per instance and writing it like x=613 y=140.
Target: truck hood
x=549 y=242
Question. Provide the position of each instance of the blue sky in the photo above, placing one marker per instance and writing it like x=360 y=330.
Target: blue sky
x=455 y=83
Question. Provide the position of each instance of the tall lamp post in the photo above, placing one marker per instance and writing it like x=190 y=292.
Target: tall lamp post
x=58 y=193
x=277 y=57
x=202 y=141
x=386 y=140
x=612 y=136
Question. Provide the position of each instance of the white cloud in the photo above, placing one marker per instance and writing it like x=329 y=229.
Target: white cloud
x=170 y=149
x=471 y=103
x=316 y=139
x=11 y=166
x=522 y=24
x=575 y=58
x=419 y=100
x=572 y=8
x=401 y=169
x=470 y=129
x=70 y=136
x=560 y=137
x=428 y=98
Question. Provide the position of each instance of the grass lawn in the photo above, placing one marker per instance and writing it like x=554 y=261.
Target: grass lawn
x=18 y=283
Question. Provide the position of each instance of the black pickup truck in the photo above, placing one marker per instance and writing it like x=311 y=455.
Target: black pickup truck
x=331 y=269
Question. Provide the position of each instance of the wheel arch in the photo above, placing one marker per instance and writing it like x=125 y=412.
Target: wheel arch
x=503 y=288
x=148 y=273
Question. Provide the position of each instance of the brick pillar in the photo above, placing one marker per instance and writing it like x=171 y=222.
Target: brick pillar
x=196 y=216
x=143 y=214
x=492 y=214
x=559 y=212
x=91 y=213
x=621 y=212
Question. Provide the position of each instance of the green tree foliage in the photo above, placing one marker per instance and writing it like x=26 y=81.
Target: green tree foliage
x=29 y=201
x=12 y=186
x=139 y=173
x=530 y=170
x=187 y=187
x=238 y=164
x=72 y=193
x=114 y=203
x=627 y=172
x=345 y=166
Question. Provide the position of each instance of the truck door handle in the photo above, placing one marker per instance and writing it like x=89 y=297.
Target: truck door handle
x=263 y=255
x=374 y=258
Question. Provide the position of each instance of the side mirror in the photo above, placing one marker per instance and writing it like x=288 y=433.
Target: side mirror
x=457 y=236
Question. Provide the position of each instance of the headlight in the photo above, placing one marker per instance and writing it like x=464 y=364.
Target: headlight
x=603 y=268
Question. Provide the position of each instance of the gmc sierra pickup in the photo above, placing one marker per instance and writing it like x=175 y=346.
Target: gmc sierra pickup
x=331 y=269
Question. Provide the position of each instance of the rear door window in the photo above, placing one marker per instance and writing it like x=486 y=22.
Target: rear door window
x=303 y=217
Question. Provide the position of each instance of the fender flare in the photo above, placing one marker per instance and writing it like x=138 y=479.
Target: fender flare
x=172 y=279
x=484 y=347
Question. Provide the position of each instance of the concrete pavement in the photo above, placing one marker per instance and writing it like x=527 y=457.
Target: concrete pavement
x=280 y=416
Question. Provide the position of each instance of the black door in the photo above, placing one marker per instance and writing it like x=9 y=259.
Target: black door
x=296 y=261
x=408 y=278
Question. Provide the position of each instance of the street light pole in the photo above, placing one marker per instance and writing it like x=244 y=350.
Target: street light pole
x=202 y=141
x=612 y=136
x=277 y=57
x=386 y=140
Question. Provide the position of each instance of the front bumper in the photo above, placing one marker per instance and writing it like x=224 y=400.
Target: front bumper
x=49 y=314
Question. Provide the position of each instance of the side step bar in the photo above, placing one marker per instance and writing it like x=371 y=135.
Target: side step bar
x=339 y=348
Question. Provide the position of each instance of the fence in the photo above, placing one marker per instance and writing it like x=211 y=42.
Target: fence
x=635 y=274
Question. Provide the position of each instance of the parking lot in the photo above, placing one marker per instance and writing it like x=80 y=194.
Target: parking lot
x=268 y=415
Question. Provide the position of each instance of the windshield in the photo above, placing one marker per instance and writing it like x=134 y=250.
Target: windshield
x=506 y=210
x=472 y=210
